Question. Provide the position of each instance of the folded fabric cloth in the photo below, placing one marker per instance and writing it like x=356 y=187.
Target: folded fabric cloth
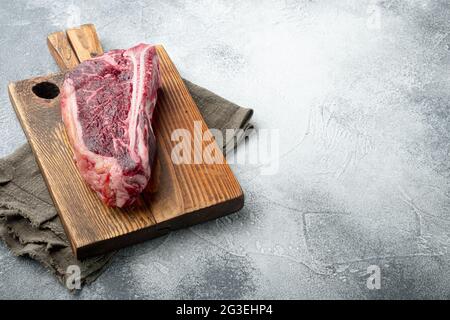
x=29 y=223
x=222 y=114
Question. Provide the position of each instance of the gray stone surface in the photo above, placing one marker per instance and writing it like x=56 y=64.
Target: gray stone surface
x=359 y=91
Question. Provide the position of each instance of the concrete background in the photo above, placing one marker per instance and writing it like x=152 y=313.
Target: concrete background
x=359 y=91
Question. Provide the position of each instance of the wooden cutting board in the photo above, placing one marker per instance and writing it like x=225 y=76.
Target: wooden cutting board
x=177 y=196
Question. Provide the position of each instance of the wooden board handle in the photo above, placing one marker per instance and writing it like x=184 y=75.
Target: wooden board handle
x=74 y=46
x=85 y=42
x=61 y=51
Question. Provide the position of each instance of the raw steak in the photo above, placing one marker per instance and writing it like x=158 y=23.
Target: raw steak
x=107 y=104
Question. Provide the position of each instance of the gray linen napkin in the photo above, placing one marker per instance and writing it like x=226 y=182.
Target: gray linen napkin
x=29 y=224
x=222 y=114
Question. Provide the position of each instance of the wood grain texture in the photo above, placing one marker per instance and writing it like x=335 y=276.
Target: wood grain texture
x=182 y=196
x=62 y=51
x=85 y=42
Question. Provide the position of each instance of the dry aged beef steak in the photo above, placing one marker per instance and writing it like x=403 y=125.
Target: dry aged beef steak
x=107 y=104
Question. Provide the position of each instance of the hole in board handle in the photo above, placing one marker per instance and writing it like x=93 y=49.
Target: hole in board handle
x=46 y=90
